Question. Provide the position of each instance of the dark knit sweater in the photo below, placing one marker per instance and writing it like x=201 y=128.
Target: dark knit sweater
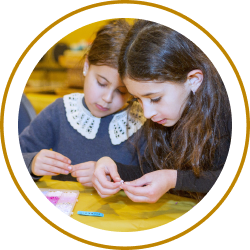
x=51 y=130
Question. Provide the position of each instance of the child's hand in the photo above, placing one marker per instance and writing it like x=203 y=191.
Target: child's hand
x=48 y=162
x=106 y=170
x=150 y=187
x=84 y=172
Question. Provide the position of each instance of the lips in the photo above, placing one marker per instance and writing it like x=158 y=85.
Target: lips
x=161 y=121
x=100 y=107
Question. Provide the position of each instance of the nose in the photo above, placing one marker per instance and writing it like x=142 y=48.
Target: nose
x=108 y=96
x=148 y=111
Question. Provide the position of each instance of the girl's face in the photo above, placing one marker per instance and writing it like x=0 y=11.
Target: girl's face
x=104 y=92
x=161 y=102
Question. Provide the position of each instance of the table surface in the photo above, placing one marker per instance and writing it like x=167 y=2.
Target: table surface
x=120 y=213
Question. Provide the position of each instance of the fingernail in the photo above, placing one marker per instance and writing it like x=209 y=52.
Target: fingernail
x=69 y=161
x=69 y=167
x=66 y=172
x=127 y=183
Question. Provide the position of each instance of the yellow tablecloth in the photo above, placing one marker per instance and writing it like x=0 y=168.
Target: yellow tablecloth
x=120 y=213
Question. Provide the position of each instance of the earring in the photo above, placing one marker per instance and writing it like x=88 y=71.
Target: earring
x=193 y=92
x=84 y=73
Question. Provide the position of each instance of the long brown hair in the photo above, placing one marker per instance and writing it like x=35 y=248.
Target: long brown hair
x=153 y=52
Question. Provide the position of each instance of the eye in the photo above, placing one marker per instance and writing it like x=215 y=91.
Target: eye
x=155 y=100
x=102 y=85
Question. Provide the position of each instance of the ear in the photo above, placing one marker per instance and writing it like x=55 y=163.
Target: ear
x=195 y=79
x=85 y=66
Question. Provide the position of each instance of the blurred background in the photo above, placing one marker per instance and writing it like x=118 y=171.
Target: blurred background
x=59 y=72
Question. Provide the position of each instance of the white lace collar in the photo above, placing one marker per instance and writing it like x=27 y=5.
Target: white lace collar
x=121 y=126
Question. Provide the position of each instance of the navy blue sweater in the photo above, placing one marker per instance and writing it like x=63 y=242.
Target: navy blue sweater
x=51 y=130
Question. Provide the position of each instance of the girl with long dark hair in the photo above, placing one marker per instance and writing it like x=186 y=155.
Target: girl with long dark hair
x=188 y=130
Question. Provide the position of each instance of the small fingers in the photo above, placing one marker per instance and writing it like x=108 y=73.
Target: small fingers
x=101 y=195
x=82 y=173
x=105 y=192
x=84 y=180
x=84 y=166
x=140 y=191
x=136 y=198
x=103 y=181
x=142 y=181
x=57 y=156
x=104 y=195
x=57 y=163
x=54 y=169
x=44 y=172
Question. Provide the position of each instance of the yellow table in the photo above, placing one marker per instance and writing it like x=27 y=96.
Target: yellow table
x=120 y=213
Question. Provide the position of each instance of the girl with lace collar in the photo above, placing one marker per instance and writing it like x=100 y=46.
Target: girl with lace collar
x=80 y=129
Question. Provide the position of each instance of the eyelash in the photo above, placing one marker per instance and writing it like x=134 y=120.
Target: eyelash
x=155 y=100
x=151 y=100
x=104 y=85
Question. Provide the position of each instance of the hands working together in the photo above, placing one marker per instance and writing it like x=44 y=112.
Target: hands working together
x=104 y=177
x=149 y=188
